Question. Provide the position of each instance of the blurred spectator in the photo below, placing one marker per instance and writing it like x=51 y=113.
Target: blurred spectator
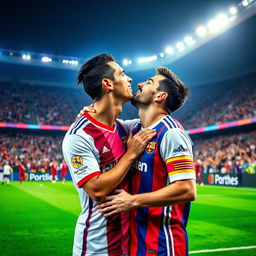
x=64 y=170
x=22 y=171
x=7 y=171
x=198 y=168
x=54 y=169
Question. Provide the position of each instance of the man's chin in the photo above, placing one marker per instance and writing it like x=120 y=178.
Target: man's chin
x=134 y=102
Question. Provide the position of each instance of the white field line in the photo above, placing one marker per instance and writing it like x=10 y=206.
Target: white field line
x=229 y=187
x=224 y=249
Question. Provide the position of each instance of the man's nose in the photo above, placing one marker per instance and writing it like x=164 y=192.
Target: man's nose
x=140 y=85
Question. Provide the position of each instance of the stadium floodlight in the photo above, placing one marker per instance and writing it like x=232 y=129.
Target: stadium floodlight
x=218 y=23
x=46 y=59
x=125 y=62
x=189 y=40
x=180 y=46
x=245 y=3
x=169 y=50
x=213 y=26
x=221 y=20
x=71 y=62
x=129 y=62
x=147 y=59
x=161 y=54
x=201 y=31
x=233 y=10
x=26 y=57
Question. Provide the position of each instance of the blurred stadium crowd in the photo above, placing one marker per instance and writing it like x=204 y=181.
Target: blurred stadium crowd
x=34 y=151
x=219 y=102
x=208 y=104
x=227 y=153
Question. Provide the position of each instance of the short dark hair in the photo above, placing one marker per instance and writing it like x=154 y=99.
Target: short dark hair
x=93 y=71
x=176 y=89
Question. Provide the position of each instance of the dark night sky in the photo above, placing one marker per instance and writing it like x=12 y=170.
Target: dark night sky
x=128 y=29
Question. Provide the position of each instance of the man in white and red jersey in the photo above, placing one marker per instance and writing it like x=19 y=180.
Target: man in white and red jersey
x=22 y=171
x=94 y=149
x=198 y=169
x=64 y=170
x=54 y=169
x=163 y=179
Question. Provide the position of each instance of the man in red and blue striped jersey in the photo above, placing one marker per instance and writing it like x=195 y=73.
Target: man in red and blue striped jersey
x=163 y=178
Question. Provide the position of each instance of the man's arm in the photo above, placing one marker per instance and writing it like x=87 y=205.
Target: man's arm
x=101 y=185
x=179 y=191
x=80 y=156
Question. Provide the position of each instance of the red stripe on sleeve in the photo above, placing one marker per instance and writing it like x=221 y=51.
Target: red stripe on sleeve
x=180 y=165
x=170 y=167
x=88 y=177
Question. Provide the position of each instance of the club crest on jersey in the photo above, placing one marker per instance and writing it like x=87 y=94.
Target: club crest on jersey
x=76 y=161
x=150 y=147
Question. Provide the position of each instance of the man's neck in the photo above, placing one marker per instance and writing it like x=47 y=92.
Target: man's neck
x=149 y=115
x=107 y=110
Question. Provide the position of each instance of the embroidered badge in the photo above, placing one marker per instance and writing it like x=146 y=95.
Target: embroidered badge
x=150 y=147
x=77 y=161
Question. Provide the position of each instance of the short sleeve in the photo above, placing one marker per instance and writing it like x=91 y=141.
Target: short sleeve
x=81 y=158
x=129 y=124
x=176 y=150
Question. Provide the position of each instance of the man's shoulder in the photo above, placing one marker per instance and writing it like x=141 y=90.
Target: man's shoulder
x=76 y=140
x=77 y=127
x=171 y=123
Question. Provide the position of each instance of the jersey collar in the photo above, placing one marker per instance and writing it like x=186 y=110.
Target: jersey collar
x=97 y=123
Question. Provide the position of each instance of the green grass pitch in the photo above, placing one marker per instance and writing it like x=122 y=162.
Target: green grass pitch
x=38 y=219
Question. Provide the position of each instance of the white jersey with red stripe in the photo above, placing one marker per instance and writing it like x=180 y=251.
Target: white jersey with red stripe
x=167 y=158
x=90 y=148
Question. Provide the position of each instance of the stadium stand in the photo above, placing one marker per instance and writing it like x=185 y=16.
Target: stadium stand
x=219 y=102
x=208 y=104
x=222 y=153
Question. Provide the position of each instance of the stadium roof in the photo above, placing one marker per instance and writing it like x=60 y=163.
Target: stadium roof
x=129 y=29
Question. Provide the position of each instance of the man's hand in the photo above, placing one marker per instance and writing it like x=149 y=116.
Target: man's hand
x=137 y=143
x=87 y=109
x=120 y=202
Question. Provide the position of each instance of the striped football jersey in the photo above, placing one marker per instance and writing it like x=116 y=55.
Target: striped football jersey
x=167 y=158
x=90 y=148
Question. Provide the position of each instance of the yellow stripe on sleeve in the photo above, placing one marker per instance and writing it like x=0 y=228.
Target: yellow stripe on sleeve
x=185 y=170
x=179 y=158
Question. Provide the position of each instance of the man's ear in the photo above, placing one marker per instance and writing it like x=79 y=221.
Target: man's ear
x=107 y=85
x=160 y=97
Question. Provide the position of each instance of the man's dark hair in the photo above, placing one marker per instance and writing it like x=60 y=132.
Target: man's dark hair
x=93 y=71
x=176 y=89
